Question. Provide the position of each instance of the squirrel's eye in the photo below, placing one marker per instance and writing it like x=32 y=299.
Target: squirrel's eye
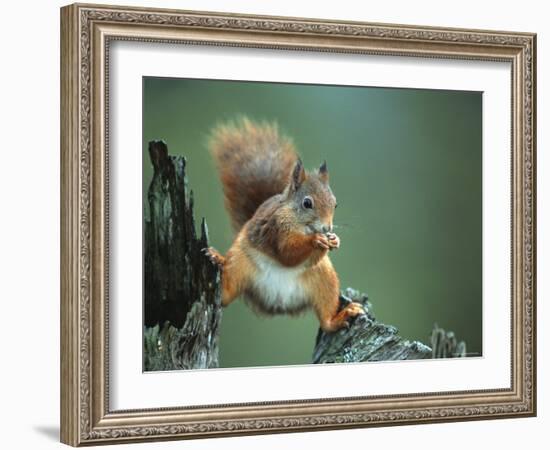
x=307 y=202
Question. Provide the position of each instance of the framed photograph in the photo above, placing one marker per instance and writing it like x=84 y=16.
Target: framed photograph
x=276 y=224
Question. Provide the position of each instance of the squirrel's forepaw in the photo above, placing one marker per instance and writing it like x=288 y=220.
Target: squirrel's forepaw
x=321 y=241
x=214 y=256
x=333 y=240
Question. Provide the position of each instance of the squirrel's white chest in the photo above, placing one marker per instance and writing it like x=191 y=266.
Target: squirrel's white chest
x=279 y=288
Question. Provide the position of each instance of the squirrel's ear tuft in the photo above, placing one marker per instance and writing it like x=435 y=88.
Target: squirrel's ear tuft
x=323 y=172
x=298 y=175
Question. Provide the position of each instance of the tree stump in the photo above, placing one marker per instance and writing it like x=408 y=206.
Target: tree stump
x=365 y=340
x=182 y=304
x=446 y=345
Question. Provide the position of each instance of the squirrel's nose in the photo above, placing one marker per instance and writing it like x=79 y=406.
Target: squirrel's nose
x=327 y=228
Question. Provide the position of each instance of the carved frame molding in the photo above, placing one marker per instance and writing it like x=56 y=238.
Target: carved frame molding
x=86 y=31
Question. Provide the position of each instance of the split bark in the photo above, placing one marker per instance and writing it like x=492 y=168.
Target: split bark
x=182 y=305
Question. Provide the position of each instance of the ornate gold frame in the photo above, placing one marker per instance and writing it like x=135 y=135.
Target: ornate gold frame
x=86 y=31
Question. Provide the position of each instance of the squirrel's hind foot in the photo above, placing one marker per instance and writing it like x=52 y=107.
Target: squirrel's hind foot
x=214 y=256
x=340 y=320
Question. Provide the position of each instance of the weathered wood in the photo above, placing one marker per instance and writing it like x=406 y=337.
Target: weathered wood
x=446 y=345
x=365 y=339
x=182 y=304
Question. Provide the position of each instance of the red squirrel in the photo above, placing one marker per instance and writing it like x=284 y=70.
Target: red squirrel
x=279 y=261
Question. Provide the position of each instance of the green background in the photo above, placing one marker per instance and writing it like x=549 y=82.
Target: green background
x=405 y=166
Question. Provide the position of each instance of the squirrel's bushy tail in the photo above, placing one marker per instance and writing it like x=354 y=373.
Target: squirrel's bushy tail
x=254 y=161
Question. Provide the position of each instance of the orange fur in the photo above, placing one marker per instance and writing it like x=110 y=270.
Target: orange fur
x=320 y=280
x=279 y=240
x=254 y=161
x=295 y=248
x=323 y=280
